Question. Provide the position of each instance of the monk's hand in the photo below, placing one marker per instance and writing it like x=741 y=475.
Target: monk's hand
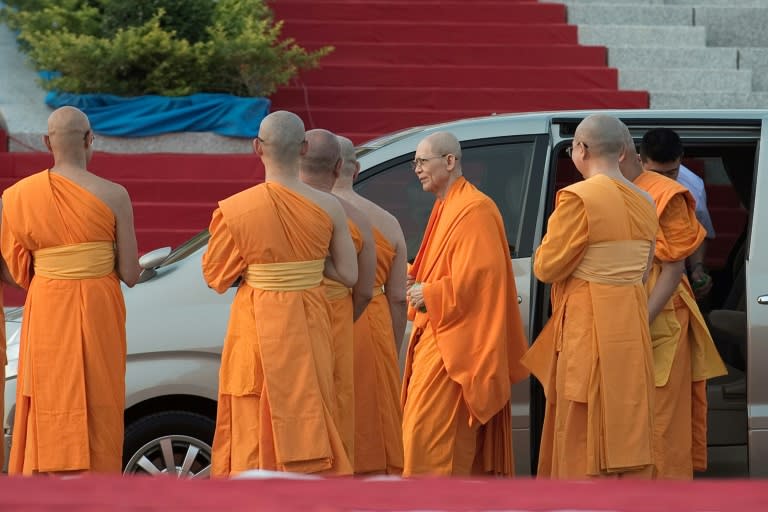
x=415 y=297
x=701 y=282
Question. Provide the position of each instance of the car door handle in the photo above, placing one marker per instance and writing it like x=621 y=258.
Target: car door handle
x=763 y=299
x=519 y=299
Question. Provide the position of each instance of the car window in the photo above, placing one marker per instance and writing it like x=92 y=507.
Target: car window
x=500 y=169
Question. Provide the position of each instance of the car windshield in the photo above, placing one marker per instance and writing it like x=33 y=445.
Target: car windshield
x=187 y=248
x=379 y=142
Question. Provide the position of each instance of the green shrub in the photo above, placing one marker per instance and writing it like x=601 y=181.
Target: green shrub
x=137 y=60
x=185 y=17
x=238 y=51
x=75 y=16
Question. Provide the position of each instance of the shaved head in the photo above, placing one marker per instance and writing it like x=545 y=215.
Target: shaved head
x=604 y=135
x=349 y=160
x=281 y=135
x=443 y=143
x=67 y=126
x=69 y=135
x=67 y=119
x=323 y=153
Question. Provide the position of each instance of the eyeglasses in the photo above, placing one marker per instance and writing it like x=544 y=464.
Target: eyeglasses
x=569 y=149
x=418 y=162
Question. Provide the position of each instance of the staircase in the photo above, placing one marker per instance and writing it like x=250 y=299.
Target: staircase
x=685 y=53
x=399 y=63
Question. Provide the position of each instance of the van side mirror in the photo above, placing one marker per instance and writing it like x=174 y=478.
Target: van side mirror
x=150 y=261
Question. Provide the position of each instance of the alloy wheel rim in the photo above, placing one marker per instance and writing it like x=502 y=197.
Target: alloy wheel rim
x=175 y=455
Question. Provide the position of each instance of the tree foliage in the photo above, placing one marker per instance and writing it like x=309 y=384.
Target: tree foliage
x=166 y=47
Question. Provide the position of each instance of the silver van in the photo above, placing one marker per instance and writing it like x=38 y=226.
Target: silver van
x=176 y=324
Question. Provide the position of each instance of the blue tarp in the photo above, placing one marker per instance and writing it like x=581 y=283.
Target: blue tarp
x=142 y=116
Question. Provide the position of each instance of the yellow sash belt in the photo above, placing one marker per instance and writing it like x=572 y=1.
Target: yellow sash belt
x=87 y=260
x=334 y=290
x=285 y=277
x=620 y=262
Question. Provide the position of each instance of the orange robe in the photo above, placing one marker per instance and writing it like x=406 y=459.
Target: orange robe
x=593 y=356
x=70 y=393
x=341 y=310
x=3 y=362
x=683 y=350
x=277 y=407
x=456 y=409
x=378 y=418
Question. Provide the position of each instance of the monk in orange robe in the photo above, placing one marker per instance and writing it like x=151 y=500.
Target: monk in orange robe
x=3 y=362
x=378 y=334
x=320 y=169
x=593 y=357
x=463 y=301
x=68 y=238
x=277 y=406
x=683 y=351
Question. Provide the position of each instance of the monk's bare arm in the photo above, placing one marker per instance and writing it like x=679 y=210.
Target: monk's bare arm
x=362 y=292
x=676 y=240
x=342 y=266
x=127 y=250
x=669 y=278
x=395 y=290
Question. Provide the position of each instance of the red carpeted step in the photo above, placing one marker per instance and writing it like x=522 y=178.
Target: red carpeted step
x=517 y=53
x=340 y=32
x=155 y=237
x=469 y=12
x=507 y=77
x=113 y=166
x=350 y=119
x=183 y=189
x=245 y=166
x=173 y=215
x=477 y=99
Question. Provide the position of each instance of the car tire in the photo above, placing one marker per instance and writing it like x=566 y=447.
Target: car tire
x=169 y=442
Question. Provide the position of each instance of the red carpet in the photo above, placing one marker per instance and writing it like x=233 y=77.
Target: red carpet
x=398 y=64
x=91 y=494
x=457 y=55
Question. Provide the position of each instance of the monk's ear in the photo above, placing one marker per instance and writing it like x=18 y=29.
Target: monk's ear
x=304 y=147
x=256 y=146
x=337 y=168
x=451 y=161
x=47 y=142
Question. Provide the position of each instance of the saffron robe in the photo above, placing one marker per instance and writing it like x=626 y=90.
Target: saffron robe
x=277 y=404
x=593 y=357
x=70 y=394
x=684 y=352
x=3 y=362
x=456 y=409
x=341 y=311
x=378 y=417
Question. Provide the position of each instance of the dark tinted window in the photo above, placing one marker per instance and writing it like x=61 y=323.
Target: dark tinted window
x=502 y=170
